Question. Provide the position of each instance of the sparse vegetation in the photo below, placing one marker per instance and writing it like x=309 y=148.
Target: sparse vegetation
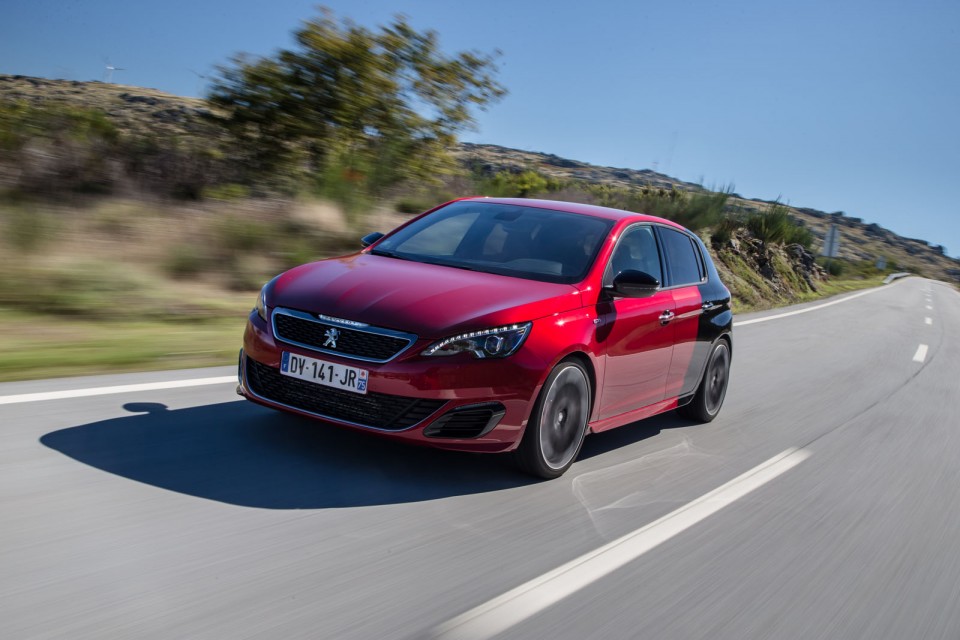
x=776 y=225
x=137 y=226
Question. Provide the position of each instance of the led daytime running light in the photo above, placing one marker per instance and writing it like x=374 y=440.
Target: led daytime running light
x=439 y=346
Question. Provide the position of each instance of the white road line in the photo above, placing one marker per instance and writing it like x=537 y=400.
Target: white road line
x=744 y=323
x=929 y=308
x=928 y=320
x=104 y=391
x=516 y=605
x=921 y=353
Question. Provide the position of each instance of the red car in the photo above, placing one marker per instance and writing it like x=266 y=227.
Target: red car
x=495 y=325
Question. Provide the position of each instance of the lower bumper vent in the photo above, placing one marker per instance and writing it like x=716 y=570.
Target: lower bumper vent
x=377 y=410
x=471 y=421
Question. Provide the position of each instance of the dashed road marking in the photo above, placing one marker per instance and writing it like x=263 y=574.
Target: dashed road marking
x=921 y=353
x=928 y=320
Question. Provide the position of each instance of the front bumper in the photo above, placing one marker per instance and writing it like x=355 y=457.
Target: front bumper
x=454 y=402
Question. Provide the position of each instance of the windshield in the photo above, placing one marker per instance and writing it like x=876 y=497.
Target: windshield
x=525 y=242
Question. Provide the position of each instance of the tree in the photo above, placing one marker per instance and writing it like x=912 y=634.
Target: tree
x=369 y=107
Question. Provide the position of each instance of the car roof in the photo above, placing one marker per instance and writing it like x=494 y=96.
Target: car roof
x=595 y=211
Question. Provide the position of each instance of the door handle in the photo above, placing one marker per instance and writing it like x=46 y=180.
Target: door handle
x=709 y=306
x=666 y=317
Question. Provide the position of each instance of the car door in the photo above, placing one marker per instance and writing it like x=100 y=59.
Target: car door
x=685 y=274
x=637 y=343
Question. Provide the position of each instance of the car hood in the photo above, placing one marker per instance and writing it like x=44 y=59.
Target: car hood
x=430 y=300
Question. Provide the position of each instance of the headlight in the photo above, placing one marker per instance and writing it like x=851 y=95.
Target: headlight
x=490 y=343
x=261 y=307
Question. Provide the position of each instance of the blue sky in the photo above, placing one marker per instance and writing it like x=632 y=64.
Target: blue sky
x=849 y=106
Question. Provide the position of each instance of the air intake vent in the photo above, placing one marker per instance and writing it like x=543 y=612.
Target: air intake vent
x=377 y=410
x=471 y=421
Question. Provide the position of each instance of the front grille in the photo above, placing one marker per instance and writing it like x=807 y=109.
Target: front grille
x=372 y=344
x=466 y=422
x=378 y=410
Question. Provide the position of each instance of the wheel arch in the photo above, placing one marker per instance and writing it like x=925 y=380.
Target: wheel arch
x=581 y=358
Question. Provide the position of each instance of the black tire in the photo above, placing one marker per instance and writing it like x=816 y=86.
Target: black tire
x=708 y=398
x=558 y=424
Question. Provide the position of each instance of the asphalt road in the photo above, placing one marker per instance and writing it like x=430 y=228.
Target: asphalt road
x=824 y=502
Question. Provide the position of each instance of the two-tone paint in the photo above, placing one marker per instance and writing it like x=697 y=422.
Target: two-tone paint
x=644 y=356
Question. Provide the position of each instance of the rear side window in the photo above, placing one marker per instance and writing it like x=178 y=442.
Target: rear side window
x=683 y=261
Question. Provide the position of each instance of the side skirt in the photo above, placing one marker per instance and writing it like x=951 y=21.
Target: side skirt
x=632 y=416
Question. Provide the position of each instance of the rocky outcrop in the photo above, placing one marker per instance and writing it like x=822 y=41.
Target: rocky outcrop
x=760 y=274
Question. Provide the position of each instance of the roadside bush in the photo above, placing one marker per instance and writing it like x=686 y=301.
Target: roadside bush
x=723 y=231
x=518 y=185
x=26 y=228
x=237 y=234
x=185 y=261
x=835 y=267
x=700 y=210
x=85 y=288
x=799 y=234
x=227 y=192
x=776 y=226
x=694 y=210
x=411 y=205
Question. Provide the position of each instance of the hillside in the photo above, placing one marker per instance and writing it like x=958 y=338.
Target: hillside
x=128 y=240
x=859 y=240
x=178 y=135
x=130 y=109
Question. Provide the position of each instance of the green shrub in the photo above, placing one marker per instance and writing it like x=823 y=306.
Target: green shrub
x=185 y=261
x=238 y=234
x=834 y=266
x=694 y=210
x=27 y=228
x=799 y=234
x=723 y=231
x=518 y=185
x=86 y=288
x=700 y=210
x=242 y=277
x=412 y=206
x=776 y=226
x=227 y=192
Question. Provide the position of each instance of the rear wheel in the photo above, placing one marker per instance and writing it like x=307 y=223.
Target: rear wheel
x=709 y=396
x=556 y=429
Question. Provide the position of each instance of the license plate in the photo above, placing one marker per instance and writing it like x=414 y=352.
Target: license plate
x=328 y=374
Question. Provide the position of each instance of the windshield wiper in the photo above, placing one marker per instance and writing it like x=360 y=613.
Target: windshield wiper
x=389 y=254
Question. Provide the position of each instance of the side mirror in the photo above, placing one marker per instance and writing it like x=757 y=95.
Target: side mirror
x=370 y=238
x=634 y=284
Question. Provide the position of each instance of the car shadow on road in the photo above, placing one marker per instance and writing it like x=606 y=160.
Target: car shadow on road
x=607 y=441
x=243 y=454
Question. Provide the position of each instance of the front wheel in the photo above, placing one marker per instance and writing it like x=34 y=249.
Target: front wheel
x=556 y=429
x=709 y=396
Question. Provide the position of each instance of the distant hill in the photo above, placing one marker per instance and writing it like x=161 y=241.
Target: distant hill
x=129 y=108
x=859 y=240
x=184 y=125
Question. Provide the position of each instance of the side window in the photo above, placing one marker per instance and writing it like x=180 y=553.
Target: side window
x=637 y=250
x=682 y=258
